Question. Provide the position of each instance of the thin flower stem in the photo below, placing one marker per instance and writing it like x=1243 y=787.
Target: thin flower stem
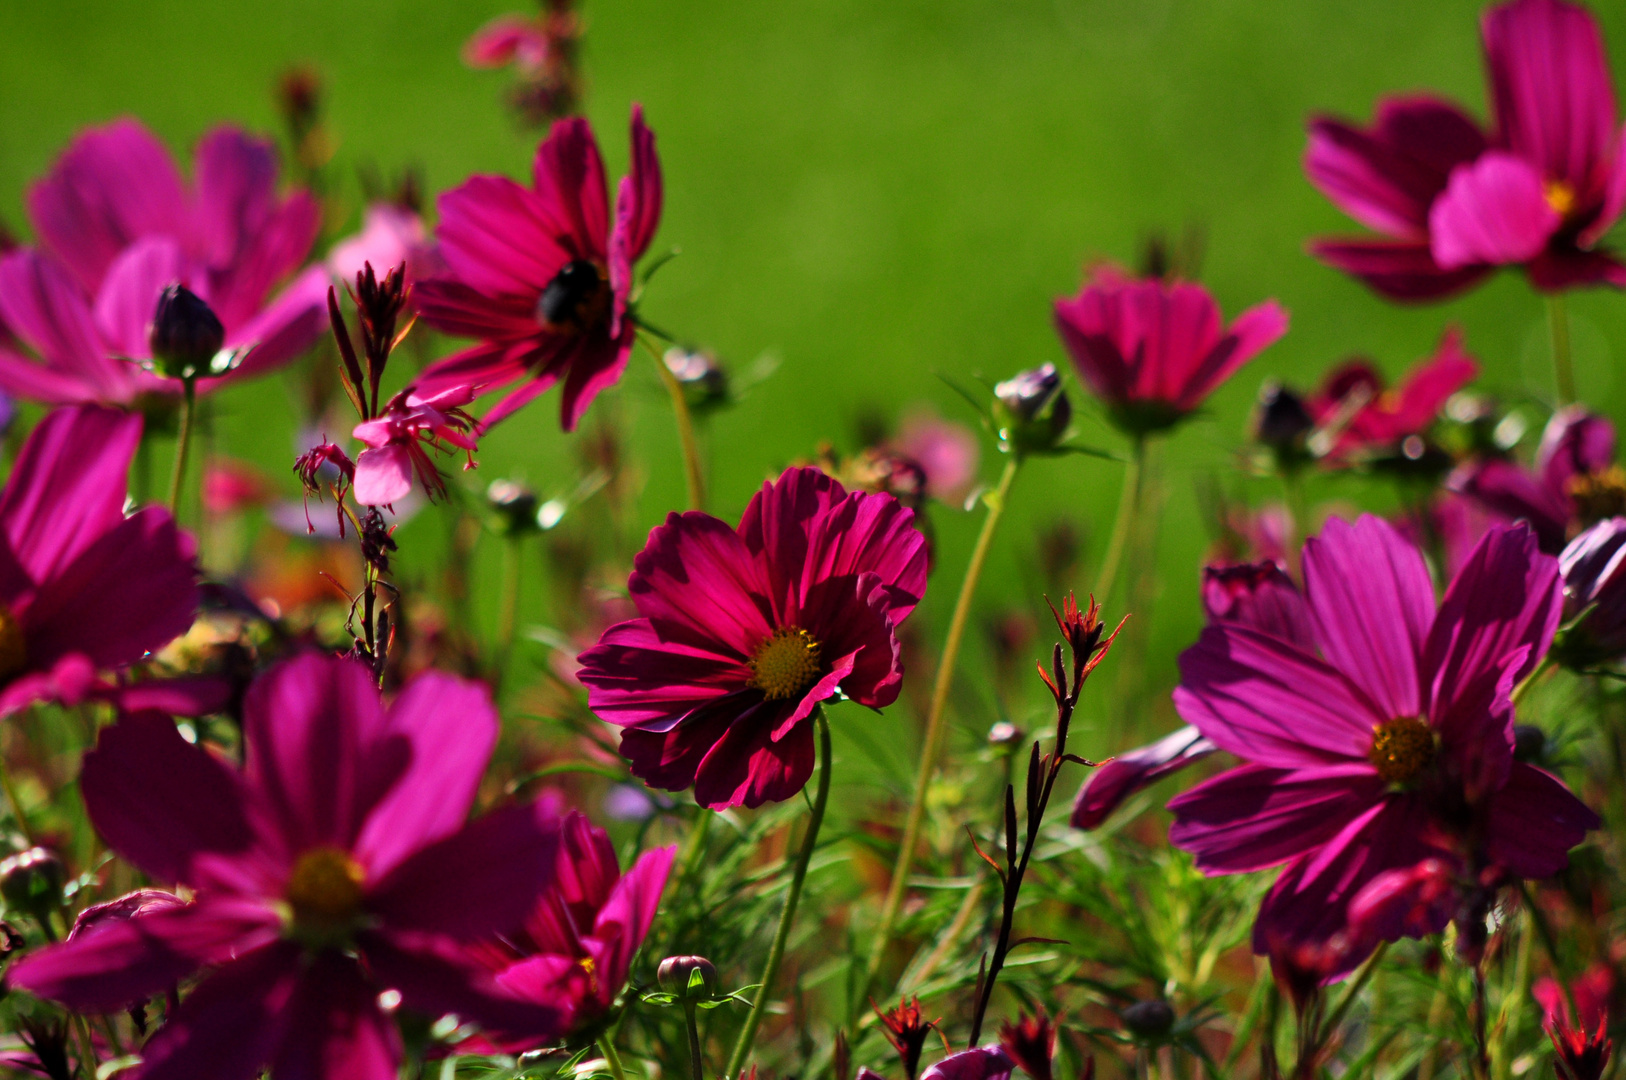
x=87 y=1049
x=697 y=1063
x=1336 y=1017
x=508 y=614
x=776 y=952
x=189 y=401
x=1298 y=514
x=932 y=743
x=693 y=848
x=1558 y=322
x=1530 y=680
x=685 y=426
x=1128 y=508
x=611 y=1058
x=16 y=805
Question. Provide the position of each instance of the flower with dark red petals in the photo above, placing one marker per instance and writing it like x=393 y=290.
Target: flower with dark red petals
x=1031 y=1043
x=541 y=276
x=1358 y=415
x=1582 y=1049
x=907 y=1030
x=743 y=633
x=1454 y=202
x=336 y=865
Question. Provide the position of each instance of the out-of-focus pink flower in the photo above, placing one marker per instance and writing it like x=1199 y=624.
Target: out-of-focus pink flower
x=1153 y=351
x=390 y=235
x=1575 y=482
x=396 y=443
x=1357 y=413
x=979 y=1063
x=231 y=486
x=574 y=950
x=1392 y=747
x=1581 y=1056
x=1594 y=569
x=945 y=451
x=117 y=224
x=1454 y=202
x=83 y=587
x=338 y=864
x=539 y=275
x=508 y=39
x=742 y=633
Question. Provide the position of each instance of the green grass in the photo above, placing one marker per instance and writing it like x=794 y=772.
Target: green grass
x=875 y=192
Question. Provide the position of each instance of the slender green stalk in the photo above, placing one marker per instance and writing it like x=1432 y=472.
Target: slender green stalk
x=1298 y=513
x=1530 y=680
x=685 y=426
x=189 y=402
x=932 y=744
x=607 y=1047
x=87 y=1049
x=1336 y=1017
x=1558 y=322
x=776 y=952
x=1128 y=508
x=16 y=805
x=508 y=614
x=697 y=1064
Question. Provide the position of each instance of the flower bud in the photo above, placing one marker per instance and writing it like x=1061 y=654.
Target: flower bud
x=1282 y=422
x=185 y=334
x=1004 y=735
x=1149 y=1019
x=514 y=507
x=1529 y=744
x=704 y=380
x=678 y=975
x=32 y=881
x=1032 y=411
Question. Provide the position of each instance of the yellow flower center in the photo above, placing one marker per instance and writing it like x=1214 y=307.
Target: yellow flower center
x=1598 y=495
x=324 y=890
x=1560 y=196
x=1401 y=749
x=786 y=664
x=13 y=646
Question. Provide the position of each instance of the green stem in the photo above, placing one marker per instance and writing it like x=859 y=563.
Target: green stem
x=1336 y=1017
x=1530 y=680
x=611 y=1058
x=508 y=614
x=1298 y=513
x=931 y=745
x=1128 y=507
x=189 y=400
x=693 y=848
x=696 y=1063
x=776 y=951
x=16 y=805
x=1558 y=322
x=685 y=426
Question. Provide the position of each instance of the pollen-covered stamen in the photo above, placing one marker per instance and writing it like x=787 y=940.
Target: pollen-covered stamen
x=324 y=891
x=1599 y=495
x=577 y=298
x=1560 y=196
x=786 y=664
x=13 y=646
x=1401 y=749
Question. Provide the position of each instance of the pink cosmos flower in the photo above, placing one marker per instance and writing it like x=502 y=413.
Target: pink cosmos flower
x=117 y=224
x=1356 y=413
x=1455 y=202
x=1392 y=747
x=576 y=947
x=334 y=867
x=82 y=587
x=396 y=443
x=540 y=277
x=945 y=451
x=1153 y=351
x=508 y=39
x=743 y=633
x=1575 y=481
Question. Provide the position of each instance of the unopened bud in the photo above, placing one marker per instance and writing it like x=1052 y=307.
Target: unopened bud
x=185 y=334
x=1282 y=421
x=32 y=881
x=691 y=977
x=514 y=507
x=1149 y=1019
x=704 y=380
x=1032 y=410
x=1004 y=735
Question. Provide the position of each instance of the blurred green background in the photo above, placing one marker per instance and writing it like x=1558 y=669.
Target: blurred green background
x=873 y=192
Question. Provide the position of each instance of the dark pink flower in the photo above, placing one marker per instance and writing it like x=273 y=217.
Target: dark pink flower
x=1454 y=202
x=1360 y=414
x=945 y=451
x=508 y=39
x=539 y=275
x=742 y=633
x=82 y=587
x=336 y=865
x=1580 y=1055
x=979 y=1063
x=1153 y=351
x=576 y=947
x=1575 y=481
x=117 y=224
x=1391 y=747
x=231 y=486
x=396 y=443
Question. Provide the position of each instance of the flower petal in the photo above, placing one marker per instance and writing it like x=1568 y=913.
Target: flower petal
x=435 y=977
x=333 y=1027
x=594 y=368
x=636 y=677
x=624 y=920
x=383 y=475
x=568 y=175
x=748 y=766
x=128 y=298
x=43 y=307
x=1574 y=441
x=1251 y=333
x=1404 y=271
x=229 y=1027
x=1121 y=776
x=1506 y=489
x=1533 y=822
x=500 y=239
x=699 y=585
x=1251 y=818
x=1493 y=212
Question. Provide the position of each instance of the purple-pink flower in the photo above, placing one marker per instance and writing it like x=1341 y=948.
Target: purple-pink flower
x=1360 y=414
x=1392 y=746
x=83 y=588
x=1454 y=202
x=333 y=870
x=1153 y=351
x=117 y=224
x=575 y=948
x=1594 y=569
x=742 y=633
x=398 y=444
x=540 y=276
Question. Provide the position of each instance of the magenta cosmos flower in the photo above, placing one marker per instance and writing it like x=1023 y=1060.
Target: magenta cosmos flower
x=1360 y=414
x=1574 y=484
x=82 y=587
x=1153 y=351
x=576 y=947
x=334 y=870
x=743 y=633
x=1391 y=747
x=1454 y=202
x=539 y=275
